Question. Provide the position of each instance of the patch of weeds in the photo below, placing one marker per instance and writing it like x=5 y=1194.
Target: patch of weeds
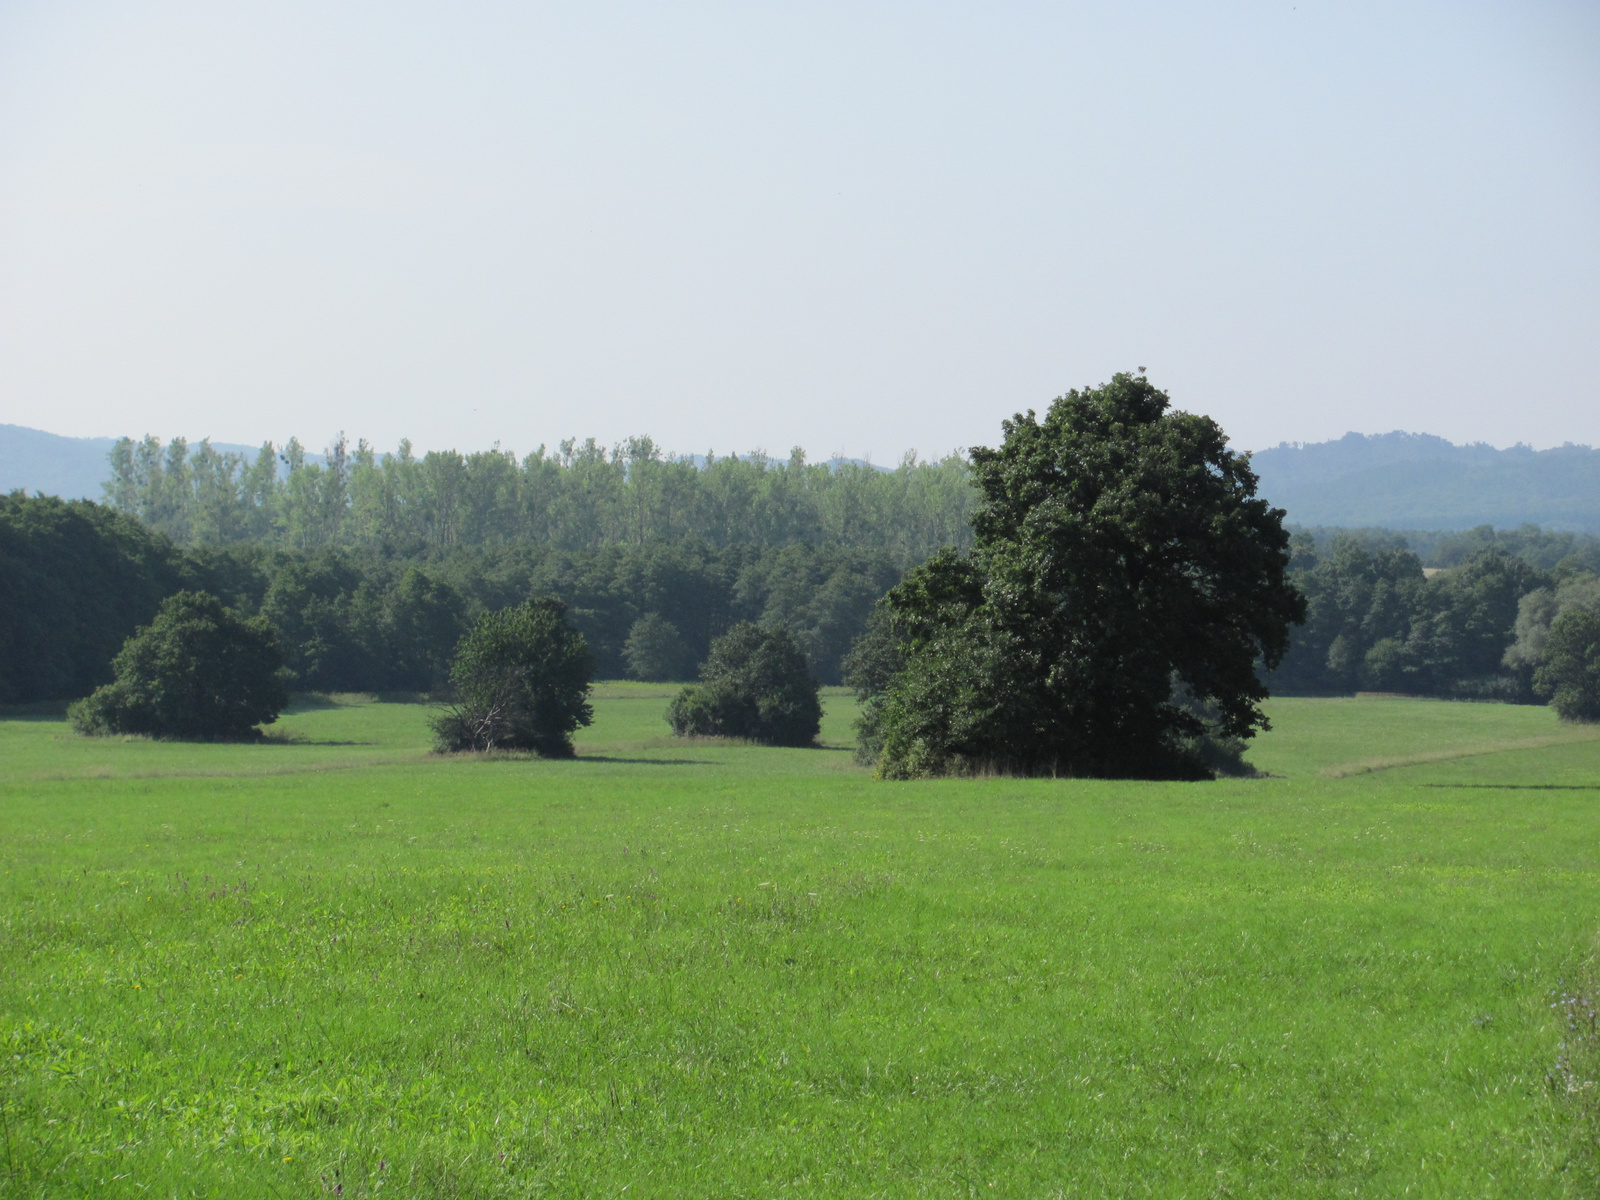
x=1575 y=1076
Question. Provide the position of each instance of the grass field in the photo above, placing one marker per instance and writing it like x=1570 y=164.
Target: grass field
x=335 y=964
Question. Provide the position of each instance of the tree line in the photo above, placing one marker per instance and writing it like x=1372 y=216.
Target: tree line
x=371 y=612
x=582 y=497
x=1378 y=620
x=77 y=578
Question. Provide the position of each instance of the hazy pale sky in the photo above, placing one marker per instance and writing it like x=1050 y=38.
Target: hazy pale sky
x=860 y=227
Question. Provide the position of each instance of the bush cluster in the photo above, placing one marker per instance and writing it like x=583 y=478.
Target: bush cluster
x=198 y=672
x=755 y=685
x=521 y=680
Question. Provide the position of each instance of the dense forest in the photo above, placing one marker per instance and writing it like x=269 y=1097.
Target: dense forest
x=76 y=578
x=584 y=497
x=370 y=568
x=1379 y=620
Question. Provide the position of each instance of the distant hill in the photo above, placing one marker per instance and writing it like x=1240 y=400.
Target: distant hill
x=45 y=462
x=73 y=468
x=1418 y=481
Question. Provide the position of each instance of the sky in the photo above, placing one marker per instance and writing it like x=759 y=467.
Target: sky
x=860 y=228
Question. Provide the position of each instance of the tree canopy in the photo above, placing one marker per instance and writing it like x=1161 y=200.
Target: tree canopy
x=655 y=650
x=1124 y=578
x=198 y=672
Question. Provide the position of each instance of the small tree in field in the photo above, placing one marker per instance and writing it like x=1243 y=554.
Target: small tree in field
x=198 y=672
x=656 y=651
x=1570 y=675
x=521 y=679
x=754 y=685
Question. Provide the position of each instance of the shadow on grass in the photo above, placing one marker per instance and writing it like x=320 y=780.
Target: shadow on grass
x=650 y=762
x=302 y=702
x=1522 y=787
x=49 y=710
x=279 y=737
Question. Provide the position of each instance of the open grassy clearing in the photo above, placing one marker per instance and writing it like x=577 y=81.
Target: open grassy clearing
x=722 y=970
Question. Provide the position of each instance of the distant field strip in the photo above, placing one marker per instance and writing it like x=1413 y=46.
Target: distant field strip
x=1568 y=736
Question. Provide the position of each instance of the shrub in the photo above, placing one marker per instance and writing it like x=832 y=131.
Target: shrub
x=1570 y=675
x=754 y=685
x=655 y=650
x=198 y=672
x=521 y=678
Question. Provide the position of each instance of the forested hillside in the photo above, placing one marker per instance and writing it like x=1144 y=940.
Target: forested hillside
x=1417 y=481
x=583 y=497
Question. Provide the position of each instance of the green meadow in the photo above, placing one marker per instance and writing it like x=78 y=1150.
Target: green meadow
x=334 y=964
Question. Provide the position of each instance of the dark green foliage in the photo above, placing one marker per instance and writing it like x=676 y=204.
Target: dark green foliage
x=868 y=670
x=1214 y=752
x=521 y=678
x=198 y=672
x=656 y=650
x=1120 y=552
x=822 y=595
x=76 y=579
x=362 y=624
x=755 y=685
x=1466 y=620
x=1376 y=622
x=1570 y=674
x=362 y=621
x=1361 y=594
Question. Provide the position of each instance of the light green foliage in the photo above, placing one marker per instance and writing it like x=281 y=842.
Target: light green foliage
x=1538 y=610
x=582 y=497
x=1570 y=675
x=690 y=970
x=656 y=651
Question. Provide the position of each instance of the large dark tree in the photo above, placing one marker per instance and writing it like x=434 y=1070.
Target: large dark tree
x=198 y=672
x=1124 y=584
x=754 y=685
x=522 y=683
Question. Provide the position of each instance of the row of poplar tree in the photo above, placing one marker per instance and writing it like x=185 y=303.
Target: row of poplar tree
x=582 y=497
